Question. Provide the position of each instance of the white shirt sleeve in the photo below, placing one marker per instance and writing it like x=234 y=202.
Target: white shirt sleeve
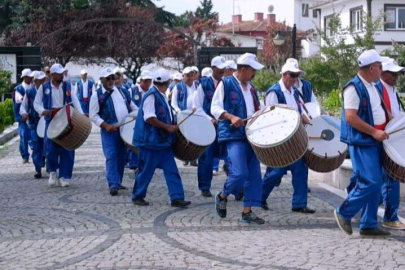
x=18 y=97
x=198 y=97
x=149 y=107
x=133 y=106
x=94 y=110
x=38 y=105
x=175 y=104
x=350 y=98
x=217 y=105
x=313 y=98
x=24 y=106
x=76 y=104
x=75 y=90
x=271 y=99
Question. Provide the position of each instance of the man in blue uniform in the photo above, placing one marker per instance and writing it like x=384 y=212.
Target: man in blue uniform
x=83 y=90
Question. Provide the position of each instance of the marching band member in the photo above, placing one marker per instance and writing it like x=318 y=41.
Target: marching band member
x=83 y=90
x=154 y=134
x=196 y=76
x=51 y=96
x=28 y=112
x=109 y=106
x=177 y=78
x=235 y=99
x=119 y=79
x=17 y=97
x=203 y=99
x=304 y=87
x=363 y=123
x=284 y=92
x=230 y=68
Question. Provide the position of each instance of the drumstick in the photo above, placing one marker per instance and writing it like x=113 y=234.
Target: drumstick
x=253 y=116
x=322 y=137
x=192 y=112
x=133 y=119
x=398 y=130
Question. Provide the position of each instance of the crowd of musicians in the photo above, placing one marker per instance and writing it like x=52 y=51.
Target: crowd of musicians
x=224 y=93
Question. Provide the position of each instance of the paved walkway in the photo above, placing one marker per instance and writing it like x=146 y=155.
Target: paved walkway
x=83 y=227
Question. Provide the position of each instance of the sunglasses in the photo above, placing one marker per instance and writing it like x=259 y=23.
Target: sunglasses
x=48 y=72
x=110 y=78
x=395 y=74
x=294 y=75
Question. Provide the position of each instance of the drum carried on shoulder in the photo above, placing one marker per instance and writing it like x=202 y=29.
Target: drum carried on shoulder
x=394 y=149
x=69 y=128
x=194 y=136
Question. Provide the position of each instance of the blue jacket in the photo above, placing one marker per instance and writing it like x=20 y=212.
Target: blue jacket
x=207 y=84
x=106 y=104
x=33 y=116
x=16 y=106
x=349 y=134
x=148 y=136
x=182 y=95
x=234 y=103
x=276 y=88
x=136 y=95
x=47 y=96
x=306 y=91
x=80 y=90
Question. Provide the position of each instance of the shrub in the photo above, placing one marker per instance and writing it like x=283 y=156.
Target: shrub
x=264 y=79
x=6 y=114
x=333 y=102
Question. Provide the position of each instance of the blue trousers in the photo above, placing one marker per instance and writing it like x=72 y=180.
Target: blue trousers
x=149 y=161
x=24 y=133
x=299 y=172
x=85 y=106
x=37 y=150
x=220 y=154
x=114 y=151
x=58 y=158
x=132 y=159
x=365 y=195
x=205 y=166
x=389 y=196
x=244 y=175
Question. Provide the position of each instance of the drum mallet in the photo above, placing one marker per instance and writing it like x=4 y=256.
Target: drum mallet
x=123 y=124
x=192 y=112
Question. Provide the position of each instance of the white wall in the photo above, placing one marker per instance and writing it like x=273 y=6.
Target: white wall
x=239 y=40
x=376 y=9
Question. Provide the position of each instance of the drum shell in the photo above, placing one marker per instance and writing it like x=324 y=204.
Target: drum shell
x=323 y=164
x=186 y=150
x=286 y=153
x=392 y=169
x=74 y=134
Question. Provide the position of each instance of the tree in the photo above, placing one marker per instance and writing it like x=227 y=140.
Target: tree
x=204 y=11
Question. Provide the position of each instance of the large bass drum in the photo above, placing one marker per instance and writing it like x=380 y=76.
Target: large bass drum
x=41 y=127
x=277 y=136
x=127 y=132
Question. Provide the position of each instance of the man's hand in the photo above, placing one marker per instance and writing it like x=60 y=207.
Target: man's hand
x=380 y=135
x=24 y=117
x=214 y=122
x=305 y=119
x=236 y=122
x=171 y=128
x=47 y=112
x=110 y=128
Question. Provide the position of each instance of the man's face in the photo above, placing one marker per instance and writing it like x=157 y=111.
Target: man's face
x=57 y=77
x=217 y=73
x=248 y=73
x=188 y=78
x=290 y=79
x=145 y=84
x=40 y=82
x=196 y=76
x=108 y=83
x=119 y=79
x=375 y=71
x=47 y=71
x=390 y=78
x=84 y=77
x=27 y=79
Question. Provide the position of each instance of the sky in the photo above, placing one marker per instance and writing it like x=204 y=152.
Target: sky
x=224 y=7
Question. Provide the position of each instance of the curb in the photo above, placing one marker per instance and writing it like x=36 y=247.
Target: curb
x=9 y=133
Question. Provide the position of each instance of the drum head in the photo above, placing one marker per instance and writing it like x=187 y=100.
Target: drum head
x=197 y=129
x=59 y=123
x=395 y=145
x=331 y=146
x=41 y=127
x=274 y=127
x=314 y=110
x=127 y=131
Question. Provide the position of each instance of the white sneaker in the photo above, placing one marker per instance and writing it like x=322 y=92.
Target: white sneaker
x=63 y=182
x=215 y=173
x=52 y=179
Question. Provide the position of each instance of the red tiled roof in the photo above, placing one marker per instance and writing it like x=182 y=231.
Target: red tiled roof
x=245 y=26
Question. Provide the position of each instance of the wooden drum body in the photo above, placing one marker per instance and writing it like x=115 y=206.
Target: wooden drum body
x=194 y=136
x=127 y=132
x=394 y=149
x=69 y=128
x=278 y=136
x=325 y=150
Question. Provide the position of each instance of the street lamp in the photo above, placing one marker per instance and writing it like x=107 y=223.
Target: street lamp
x=279 y=39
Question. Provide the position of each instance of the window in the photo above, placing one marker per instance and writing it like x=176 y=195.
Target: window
x=356 y=19
x=259 y=43
x=394 y=17
x=315 y=13
x=327 y=21
x=305 y=8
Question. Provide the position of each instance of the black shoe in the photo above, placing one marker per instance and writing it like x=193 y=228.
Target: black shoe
x=309 y=190
x=374 y=233
x=38 y=175
x=180 y=203
x=220 y=205
x=265 y=206
x=140 y=202
x=206 y=193
x=122 y=187
x=239 y=197
x=225 y=168
x=114 y=191
x=43 y=162
x=133 y=168
x=304 y=210
x=193 y=163
x=344 y=225
x=185 y=163
x=252 y=218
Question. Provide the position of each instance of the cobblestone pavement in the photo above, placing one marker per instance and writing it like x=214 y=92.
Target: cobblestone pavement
x=83 y=227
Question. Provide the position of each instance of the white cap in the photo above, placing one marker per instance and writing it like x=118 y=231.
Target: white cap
x=161 y=75
x=27 y=73
x=177 y=76
x=117 y=70
x=391 y=65
x=83 y=72
x=125 y=77
x=38 y=75
x=206 y=72
x=249 y=59
x=57 y=68
x=291 y=65
x=146 y=75
x=230 y=64
x=123 y=70
x=369 y=57
x=219 y=62
x=187 y=70
x=138 y=80
x=107 y=72
x=194 y=68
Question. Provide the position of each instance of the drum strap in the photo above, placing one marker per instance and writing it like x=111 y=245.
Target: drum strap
x=69 y=119
x=106 y=97
x=297 y=99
